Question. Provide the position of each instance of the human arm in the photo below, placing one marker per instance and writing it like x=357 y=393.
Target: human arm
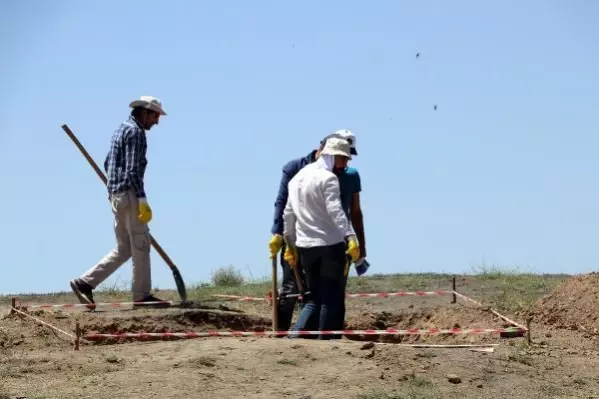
x=289 y=220
x=281 y=200
x=357 y=221
x=289 y=234
x=331 y=192
x=134 y=153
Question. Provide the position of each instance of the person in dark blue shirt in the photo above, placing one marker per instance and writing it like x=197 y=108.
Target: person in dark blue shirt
x=350 y=184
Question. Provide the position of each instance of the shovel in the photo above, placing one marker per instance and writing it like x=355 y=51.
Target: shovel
x=176 y=274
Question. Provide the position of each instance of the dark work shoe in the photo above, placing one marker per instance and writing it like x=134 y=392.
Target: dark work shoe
x=151 y=298
x=83 y=291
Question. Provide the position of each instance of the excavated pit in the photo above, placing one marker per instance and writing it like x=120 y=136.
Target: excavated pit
x=178 y=320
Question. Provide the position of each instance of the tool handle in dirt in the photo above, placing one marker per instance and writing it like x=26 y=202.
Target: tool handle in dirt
x=275 y=295
x=298 y=278
x=176 y=274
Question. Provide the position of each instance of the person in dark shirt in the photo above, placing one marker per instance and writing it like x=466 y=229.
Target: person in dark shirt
x=125 y=167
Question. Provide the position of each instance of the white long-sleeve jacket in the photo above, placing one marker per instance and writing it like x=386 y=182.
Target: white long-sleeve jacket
x=313 y=215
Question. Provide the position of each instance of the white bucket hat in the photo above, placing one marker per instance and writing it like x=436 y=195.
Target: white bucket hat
x=148 y=102
x=337 y=146
x=348 y=135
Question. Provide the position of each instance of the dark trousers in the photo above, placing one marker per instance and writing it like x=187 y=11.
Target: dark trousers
x=288 y=286
x=324 y=272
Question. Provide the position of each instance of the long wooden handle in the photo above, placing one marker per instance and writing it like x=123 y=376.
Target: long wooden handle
x=102 y=177
x=275 y=296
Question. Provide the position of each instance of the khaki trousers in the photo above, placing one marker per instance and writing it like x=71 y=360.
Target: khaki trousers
x=132 y=241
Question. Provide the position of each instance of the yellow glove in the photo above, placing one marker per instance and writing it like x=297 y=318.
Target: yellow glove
x=353 y=250
x=290 y=256
x=275 y=244
x=144 y=212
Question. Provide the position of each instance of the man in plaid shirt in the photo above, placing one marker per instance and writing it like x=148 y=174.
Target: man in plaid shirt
x=125 y=166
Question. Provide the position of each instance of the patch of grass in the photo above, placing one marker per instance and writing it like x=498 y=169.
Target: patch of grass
x=227 y=277
x=421 y=382
x=289 y=362
x=579 y=381
x=520 y=358
x=202 y=361
x=111 y=358
x=116 y=288
x=427 y=353
x=512 y=290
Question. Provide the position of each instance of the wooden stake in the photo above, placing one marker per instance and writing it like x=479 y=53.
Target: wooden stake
x=275 y=296
x=13 y=305
x=77 y=335
x=528 y=340
x=454 y=299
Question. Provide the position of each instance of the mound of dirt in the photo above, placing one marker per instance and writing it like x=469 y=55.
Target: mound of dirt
x=573 y=305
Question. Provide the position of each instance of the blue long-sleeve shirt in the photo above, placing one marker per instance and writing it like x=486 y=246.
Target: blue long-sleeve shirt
x=126 y=162
x=290 y=169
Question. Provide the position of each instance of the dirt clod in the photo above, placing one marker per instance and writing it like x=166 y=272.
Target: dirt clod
x=453 y=378
x=367 y=345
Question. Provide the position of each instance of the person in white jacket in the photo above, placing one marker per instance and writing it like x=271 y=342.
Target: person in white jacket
x=318 y=233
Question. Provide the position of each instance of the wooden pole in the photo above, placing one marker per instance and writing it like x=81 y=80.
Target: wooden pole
x=528 y=339
x=275 y=296
x=77 y=335
x=454 y=299
x=13 y=305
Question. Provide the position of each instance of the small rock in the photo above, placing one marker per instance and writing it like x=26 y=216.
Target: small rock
x=382 y=376
x=548 y=335
x=454 y=379
x=348 y=353
x=479 y=386
x=367 y=345
x=370 y=354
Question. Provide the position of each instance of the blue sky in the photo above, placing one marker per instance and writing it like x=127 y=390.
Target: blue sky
x=504 y=172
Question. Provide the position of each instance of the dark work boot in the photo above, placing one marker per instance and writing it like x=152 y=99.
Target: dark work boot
x=83 y=291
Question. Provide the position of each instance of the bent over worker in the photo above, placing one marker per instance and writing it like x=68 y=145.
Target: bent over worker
x=288 y=285
x=317 y=234
x=125 y=166
x=351 y=186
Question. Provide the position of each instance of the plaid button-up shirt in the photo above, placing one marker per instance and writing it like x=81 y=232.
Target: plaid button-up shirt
x=126 y=161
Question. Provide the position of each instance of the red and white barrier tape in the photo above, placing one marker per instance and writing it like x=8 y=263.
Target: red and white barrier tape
x=93 y=306
x=229 y=297
x=357 y=295
x=390 y=331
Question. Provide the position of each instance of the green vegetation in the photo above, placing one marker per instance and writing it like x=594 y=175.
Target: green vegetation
x=505 y=289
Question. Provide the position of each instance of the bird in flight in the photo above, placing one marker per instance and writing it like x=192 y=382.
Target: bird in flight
x=435 y=107
x=417 y=55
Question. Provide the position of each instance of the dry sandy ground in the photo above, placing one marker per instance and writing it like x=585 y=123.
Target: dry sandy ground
x=36 y=363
